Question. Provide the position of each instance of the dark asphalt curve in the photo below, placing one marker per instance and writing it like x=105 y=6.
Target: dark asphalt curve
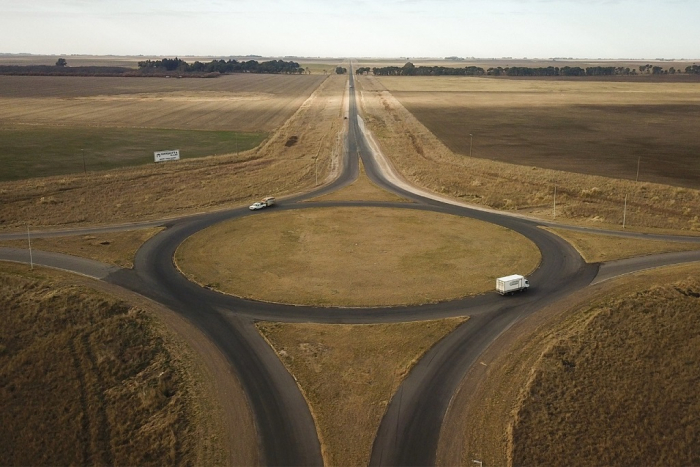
x=409 y=431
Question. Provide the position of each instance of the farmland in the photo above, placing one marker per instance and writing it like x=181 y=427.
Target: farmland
x=592 y=186
x=175 y=188
x=234 y=102
x=61 y=125
x=44 y=151
x=589 y=127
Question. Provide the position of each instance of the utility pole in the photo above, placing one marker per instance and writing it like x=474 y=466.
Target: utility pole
x=471 y=144
x=638 y=161
x=624 y=213
x=554 y=210
x=29 y=240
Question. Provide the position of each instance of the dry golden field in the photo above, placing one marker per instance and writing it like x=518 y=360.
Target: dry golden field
x=593 y=200
x=241 y=102
x=55 y=125
x=188 y=186
x=354 y=256
x=349 y=373
x=87 y=379
x=606 y=377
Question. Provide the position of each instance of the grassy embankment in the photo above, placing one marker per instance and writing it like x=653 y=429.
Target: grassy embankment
x=605 y=125
x=348 y=374
x=620 y=388
x=604 y=377
x=88 y=379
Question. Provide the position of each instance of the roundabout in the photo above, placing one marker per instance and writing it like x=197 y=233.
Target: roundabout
x=354 y=256
x=409 y=430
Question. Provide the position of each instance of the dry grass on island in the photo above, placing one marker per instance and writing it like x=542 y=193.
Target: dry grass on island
x=349 y=373
x=88 y=379
x=440 y=161
x=361 y=257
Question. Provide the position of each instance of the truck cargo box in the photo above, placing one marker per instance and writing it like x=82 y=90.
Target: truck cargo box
x=511 y=284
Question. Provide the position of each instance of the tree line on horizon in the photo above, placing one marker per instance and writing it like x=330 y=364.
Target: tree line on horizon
x=223 y=66
x=409 y=69
x=157 y=68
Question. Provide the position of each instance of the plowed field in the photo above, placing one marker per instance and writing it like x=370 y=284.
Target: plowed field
x=589 y=127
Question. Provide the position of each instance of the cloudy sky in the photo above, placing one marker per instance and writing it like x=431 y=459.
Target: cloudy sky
x=361 y=28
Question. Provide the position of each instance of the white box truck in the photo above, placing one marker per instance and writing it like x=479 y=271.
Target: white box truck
x=511 y=284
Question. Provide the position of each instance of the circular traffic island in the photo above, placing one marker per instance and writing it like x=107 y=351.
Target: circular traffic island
x=354 y=257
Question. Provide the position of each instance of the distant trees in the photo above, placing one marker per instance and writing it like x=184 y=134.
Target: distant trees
x=572 y=71
x=363 y=70
x=61 y=62
x=222 y=66
x=693 y=69
x=340 y=70
x=409 y=69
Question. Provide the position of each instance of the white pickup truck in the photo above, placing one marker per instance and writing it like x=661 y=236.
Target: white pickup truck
x=511 y=284
x=265 y=203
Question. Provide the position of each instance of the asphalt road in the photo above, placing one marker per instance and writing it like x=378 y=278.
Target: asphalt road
x=408 y=434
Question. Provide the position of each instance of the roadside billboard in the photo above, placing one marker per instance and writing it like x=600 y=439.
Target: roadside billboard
x=162 y=156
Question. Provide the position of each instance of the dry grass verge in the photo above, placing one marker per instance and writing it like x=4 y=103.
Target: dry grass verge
x=87 y=379
x=361 y=189
x=596 y=248
x=348 y=374
x=187 y=186
x=600 y=378
x=584 y=199
x=117 y=248
x=354 y=256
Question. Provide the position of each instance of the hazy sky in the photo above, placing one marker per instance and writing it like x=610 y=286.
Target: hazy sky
x=343 y=28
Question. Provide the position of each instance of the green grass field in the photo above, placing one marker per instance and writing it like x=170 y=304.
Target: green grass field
x=36 y=151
